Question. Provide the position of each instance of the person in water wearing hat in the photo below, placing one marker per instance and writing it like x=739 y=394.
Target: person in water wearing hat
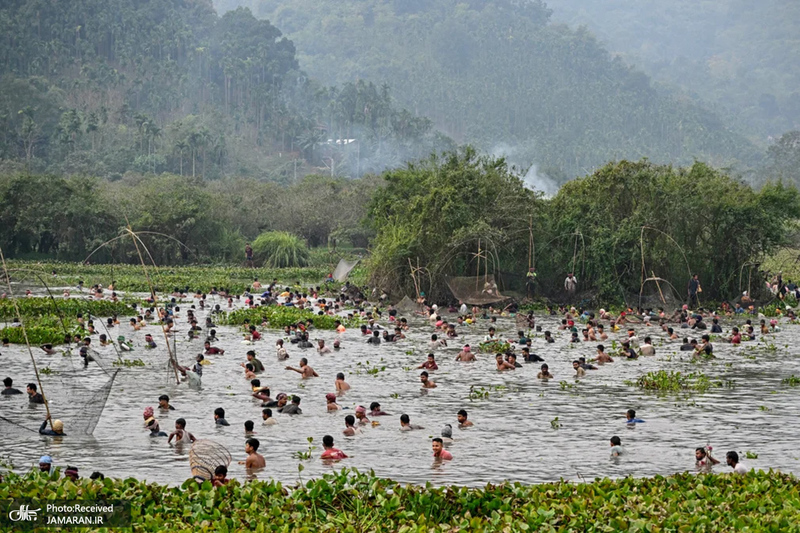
x=57 y=431
x=447 y=434
x=466 y=355
x=72 y=473
x=124 y=345
x=45 y=464
x=331 y=399
x=151 y=423
x=361 y=415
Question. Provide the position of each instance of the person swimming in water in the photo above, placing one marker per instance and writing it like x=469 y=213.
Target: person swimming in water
x=502 y=365
x=375 y=410
x=630 y=417
x=305 y=370
x=545 y=373
x=180 y=434
x=439 y=453
x=350 y=429
x=330 y=398
x=616 y=447
x=427 y=383
x=254 y=459
x=703 y=461
x=466 y=355
x=331 y=453
x=406 y=425
x=57 y=431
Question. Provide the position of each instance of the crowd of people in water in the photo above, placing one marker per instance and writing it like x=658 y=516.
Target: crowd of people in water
x=691 y=327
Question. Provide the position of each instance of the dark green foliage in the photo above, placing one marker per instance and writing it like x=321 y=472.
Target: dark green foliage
x=695 y=220
x=182 y=220
x=130 y=278
x=42 y=307
x=717 y=222
x=280 y=317
x=108 y=87
x=348 y=501
x=437 y=212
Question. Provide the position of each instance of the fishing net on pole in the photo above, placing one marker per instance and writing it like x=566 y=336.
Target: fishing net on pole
x=101 y=361
x=205 y=456
x=343 y=269
x=83 y=408
x=407 y=306
x=79 y=408
x=475 y=290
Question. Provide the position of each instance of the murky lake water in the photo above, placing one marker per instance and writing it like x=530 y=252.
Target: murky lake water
x=512 y=438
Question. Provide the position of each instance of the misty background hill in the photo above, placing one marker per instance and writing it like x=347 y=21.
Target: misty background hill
x=278 y=89
x=739 y=56
x=502 y=72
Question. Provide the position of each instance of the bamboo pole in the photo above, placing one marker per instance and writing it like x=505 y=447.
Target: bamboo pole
x=25 y=334
x=661 y=294
x=155 y=301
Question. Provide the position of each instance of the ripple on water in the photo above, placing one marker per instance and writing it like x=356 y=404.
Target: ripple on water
x=512 y=438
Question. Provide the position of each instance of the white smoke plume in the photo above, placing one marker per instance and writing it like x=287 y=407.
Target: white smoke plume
x=532 y=179
x=539 y=182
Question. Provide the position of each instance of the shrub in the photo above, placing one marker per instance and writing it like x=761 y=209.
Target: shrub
x=279 y=249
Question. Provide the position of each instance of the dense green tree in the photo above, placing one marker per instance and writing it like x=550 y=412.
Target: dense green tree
x=103 y=88
x=623 y=224
x=438 y=214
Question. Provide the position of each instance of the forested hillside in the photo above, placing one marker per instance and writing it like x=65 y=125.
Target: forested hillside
x=739 y=55
x=499 y=72
x=104 y=87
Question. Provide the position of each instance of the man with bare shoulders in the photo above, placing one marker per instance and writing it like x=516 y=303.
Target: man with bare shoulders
x=427 y=383
x=254 y=459
x=304 y=370
x=502 y=364
x=466 y=355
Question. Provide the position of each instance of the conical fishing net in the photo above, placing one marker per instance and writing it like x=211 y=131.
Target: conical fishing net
x=205 y=456
x=343 y=269
x=70 y=403
x=79 y=408
x=89 y=414
x=407 y=306
x=475 y=290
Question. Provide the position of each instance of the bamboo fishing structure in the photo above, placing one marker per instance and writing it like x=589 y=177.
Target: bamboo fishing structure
x=25 y=335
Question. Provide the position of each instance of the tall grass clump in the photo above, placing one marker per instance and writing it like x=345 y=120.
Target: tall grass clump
x=279 y=249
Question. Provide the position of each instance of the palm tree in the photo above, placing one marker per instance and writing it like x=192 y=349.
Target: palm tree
x=181 y=146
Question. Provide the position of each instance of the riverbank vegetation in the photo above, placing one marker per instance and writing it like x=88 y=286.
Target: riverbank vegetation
x=629 y=228
x=348 y=501
x=615 y=229
x=130 y=277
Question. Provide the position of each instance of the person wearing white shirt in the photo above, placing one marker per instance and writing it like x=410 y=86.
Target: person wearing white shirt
x=732 y=458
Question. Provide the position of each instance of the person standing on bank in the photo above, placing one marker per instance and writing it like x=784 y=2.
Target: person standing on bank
x=693 y=289
x=571 y=284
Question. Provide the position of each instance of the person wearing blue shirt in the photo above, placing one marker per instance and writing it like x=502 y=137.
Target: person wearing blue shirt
x=631 y=417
